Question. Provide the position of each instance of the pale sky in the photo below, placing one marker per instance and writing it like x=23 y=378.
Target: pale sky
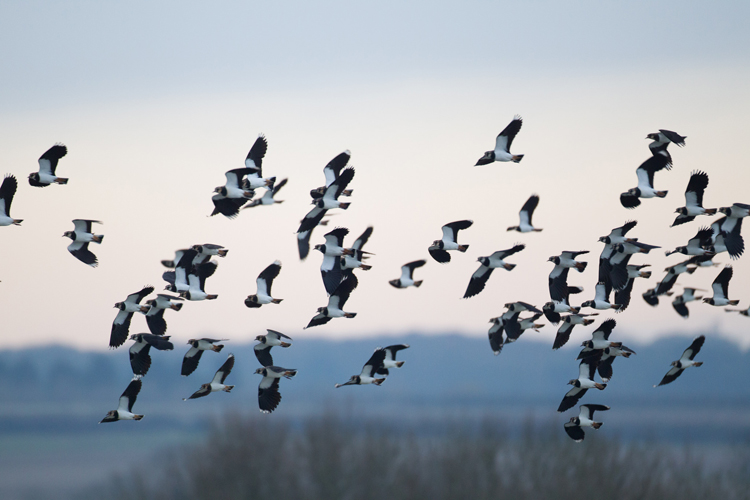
x=156 y=102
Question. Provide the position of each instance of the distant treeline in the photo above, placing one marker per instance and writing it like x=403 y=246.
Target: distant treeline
x=331 y=458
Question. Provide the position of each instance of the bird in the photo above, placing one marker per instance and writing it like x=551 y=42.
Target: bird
x=439 y=248
x=263 y=350
x=358 y=255
x=652 y=297
x=495 y=335
x=234 y=187
x=47 y=166
x=673 y=272
x=205 y=251
x=193 y=356
x=553 y=308
x=217 y=383
x=140 y=360
x=685 y=361
x=527 y=211
x=744 y=312
x=622 y=296
x=567 y=259
x=121 y=324
x=155 y=315
x=177 y=280
x=523 y=324
x=729 y=228
x=502 y=145
x=569 y=321
x=609 y=354
x=736 y=211
x=264 y=282
x=254 y=161
x=197 y=282
x=700 y=244
x=328 y=201
x=693 y=199
x=336 y=302
x=369 y=370
x=688 y=295
x=585 y=418
x=390 y=358
x=124 y=409
x=645 y=189
x=407 y=275
x=661 y=140
x=332 y=170
x=584 y=382
x=600 y=339
x=487 y=265
x=81 y=237
x=268 y=196
x=268 y=389
x=332 y=250
x=7 y=190
x=720 y=287
x=601 y=300
x=617 y=235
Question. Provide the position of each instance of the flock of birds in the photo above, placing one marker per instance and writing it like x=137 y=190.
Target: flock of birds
x=190 y=268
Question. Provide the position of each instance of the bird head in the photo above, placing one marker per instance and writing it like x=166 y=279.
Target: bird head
x=681 y=211
x=575 y=420
x=653 y=137
x=120 y=305
x=70 y=234
x=260 y=371
x=261 y=338
x=726 y=210
x=222 y=190
x=320 y=248
x=323 y=310
x=575 y=382
x=587 y=343
x=588 y=303
x=554 y=259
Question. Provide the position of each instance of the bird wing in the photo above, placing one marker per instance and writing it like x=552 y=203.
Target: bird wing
x=7 y=190
x=374 y=364
x=266 y=277
x=477 y=281
x=48 y=161
x=571 y=398
x=505 y=138
x=268 y=394
x=336 y=237
x=255 y=156
x=224 y=370
x=671 y=375
x=694 y=192
x=339 y=296
x=83 y=225
x=360 y=242
x=312 y=219
x=720 y=285
x=303 y=243
x=155 y=321
x=694 y=349
x=228 y=207
x=140 y=361
x=527 y=210
x=450 y=230
x=190 y=361
x=563 y=335
x=263 y=353
x=332 y=274
x=587 y=411
x=333 y=168
x=439 y=255
x=129 y=395
x=391 y=350
x=339 y=185
x=502 y=254
x=318 y=319
x=674 y=137
x=135 y=298
x=574 y=431
x=604 y=330
x=276 y=335
x=600 y=293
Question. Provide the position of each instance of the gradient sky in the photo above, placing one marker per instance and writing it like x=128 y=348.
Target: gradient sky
x=156 y=101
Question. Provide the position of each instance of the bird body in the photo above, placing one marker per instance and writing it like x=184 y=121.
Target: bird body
x=268 y=389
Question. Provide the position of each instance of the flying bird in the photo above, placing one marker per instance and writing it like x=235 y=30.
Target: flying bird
x=502 y=145
x=487 y=265
x=124 y=410
x=217 y=383
x=7 y=190
x=585 y=418
x=140 y=360
x=155 y=315
x=570 y=321
x=645 y=188
x=81 y=237
x=197 y=282
x=47 y=166
x=390 y=358
x=336 y=302
x=332 y=250
x=193 y=356
x=527 y=211
x=439 y=248
x=369 y=370
x=254 y=161
x=356 y=259
x=661 y=140
x=328 y=201
x=679 y=303
x=685 y=361
x=407 y=275
x=268 y=197
x=264 y=282
x=268 y=389
x=177 y=280
x=700 y=244
x=332 y=170
x=720 y=287
x=601 y=299
x=121 y=324
x=267 y=341
x=694 y=199
x=584 y=382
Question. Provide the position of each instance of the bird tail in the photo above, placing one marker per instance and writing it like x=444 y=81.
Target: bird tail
x=581 y=266
x=379 y=381
x=365 y=267
x=347 y=192
x=290 y=373
x=587 y=322
x=463 y=248
x=218 y=348
x=645 y=274
x=601 y=387
x=596 y=425
x=276 y=301
x=399 y=364
x=17 y=222
x=691 y=270
x=228 y=388
x=661 y=194
x=349 y=315
x=177 y=307
x=418 y=283
x=517 y=158
x=344 y=206
x=137 y=417
x=710 y=211
x=698 y=363
x=286 y=344
x=211 y=297
x=734 y=302
x=509 y=267
x=63 y=180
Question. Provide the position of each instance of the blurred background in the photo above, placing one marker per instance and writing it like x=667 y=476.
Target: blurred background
x=156 y=101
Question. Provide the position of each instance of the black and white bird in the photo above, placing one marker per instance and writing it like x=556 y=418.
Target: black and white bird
x=553 y=309
x=568 y=322
x=47 y=166
x=439 y=248
x=303 y=240
x=254 y=161
x=700 y=244
x=7 y=191
x=669 y=280
x=601 y=299
x=736 y=211
x=268 y=197
x=193 y=355
x=263 y=350
x=527 y=211
x=599 y=339
x=268 y=389
x=407 y=275
x=744 y=312
x=234 y=187
x=585 y=418
x=328 y=201
x=617 y=235
x=652 y=297
x=523 y=325
x=685 y=361
x=679 y=302
x=502 y=145
x=177 y=280
x=661 y=140
x=495 y=334
x=622 y=296
x=568 y=259
x=720 y=287
x=729 y=228
x=155 y=315
x=196 y=279
x=124 y=409
x=584 y=382
x=358 y=255
x=487 y=265
x=140 y=360
x=121 y=324
x=81 y=237
x=390 y=358
x=332 y=250
x=645 y=188
x=694 y=199
x=264 y=282
x=217 y=383
x=336 y=302
x=332 y=170
x=369 y=370
x=609 y=354
x=205 y=251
